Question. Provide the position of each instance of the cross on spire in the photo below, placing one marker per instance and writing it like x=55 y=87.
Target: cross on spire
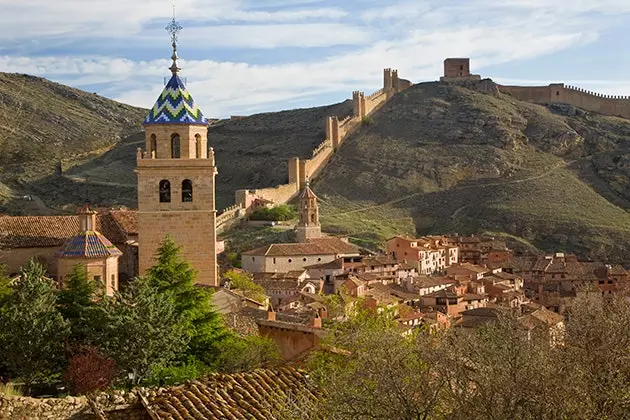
x=174 y=28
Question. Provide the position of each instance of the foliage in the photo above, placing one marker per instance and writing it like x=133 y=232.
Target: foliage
x=10 y=390
x=367 y=120
x=174 y=277
x=5 y=284
x=76 y=299
x=279 y=213
x=140 y=328
x=242 y=354
x=89 y=371
x=32 y=331
x=242 y=281
x=177 y=373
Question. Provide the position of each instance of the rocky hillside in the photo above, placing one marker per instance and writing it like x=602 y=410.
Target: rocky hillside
x=43 y=124
x=439 y=159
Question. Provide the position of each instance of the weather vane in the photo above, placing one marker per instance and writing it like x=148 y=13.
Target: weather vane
x=174 y=28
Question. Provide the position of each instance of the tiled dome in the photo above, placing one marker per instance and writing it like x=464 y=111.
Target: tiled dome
x=88 y=245
x=175 y=106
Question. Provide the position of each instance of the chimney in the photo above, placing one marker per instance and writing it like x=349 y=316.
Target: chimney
x=271 y=314
x=317 y=321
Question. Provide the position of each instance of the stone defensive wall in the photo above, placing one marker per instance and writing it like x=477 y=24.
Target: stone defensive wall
x=337 y=130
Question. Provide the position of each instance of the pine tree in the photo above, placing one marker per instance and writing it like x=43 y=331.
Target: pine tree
x=173 y=275
x=32 y=331
x=76 y=299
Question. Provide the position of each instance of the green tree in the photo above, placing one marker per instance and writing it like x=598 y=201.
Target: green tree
x=242 y=354
x=5 y=284
x=76 y=299
x=174 y=276
x=139 y=328
x=243 y=282
x=32 y=331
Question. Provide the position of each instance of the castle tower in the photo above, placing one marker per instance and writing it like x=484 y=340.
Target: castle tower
x=91 y=250
x=308 y=227
x=176 y=179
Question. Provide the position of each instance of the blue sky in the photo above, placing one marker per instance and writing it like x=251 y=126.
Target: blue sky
x=246 y=56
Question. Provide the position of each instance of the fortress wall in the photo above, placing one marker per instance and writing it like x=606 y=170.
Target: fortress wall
x=317 y=163
x=536 y=94
x=374 y=100
x=279 y=194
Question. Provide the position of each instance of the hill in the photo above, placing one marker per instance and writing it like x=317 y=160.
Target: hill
x=44 y=125
x=438 y=159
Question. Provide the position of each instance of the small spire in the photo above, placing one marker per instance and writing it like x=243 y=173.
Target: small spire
x=174 y=28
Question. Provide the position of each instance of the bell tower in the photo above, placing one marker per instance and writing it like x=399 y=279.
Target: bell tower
x=176 y=179
x=308 y=227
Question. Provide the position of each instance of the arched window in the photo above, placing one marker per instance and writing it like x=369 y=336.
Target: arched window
x=197 y=146
x=153 y=146
x=187 y=191
x=313 y=218
x=165 y=191
x=175 y=146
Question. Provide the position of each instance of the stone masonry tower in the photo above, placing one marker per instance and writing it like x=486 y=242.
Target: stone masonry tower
x=308 y=227
x=176 y=179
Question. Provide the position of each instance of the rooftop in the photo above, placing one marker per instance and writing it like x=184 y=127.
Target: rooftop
x=175 y=106
x=88 y=245
x=320 y=246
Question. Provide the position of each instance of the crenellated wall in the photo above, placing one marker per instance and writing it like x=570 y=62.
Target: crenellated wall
x=336 y=131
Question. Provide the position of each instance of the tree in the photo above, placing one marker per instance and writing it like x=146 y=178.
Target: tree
x=242 y=281
x=76 y=299
x=89 y=371
x=5 y=284
x=174 y=276
x=242 y=354
x=32 y=331
x=139 y=328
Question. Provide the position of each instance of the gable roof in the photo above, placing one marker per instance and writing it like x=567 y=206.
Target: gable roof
x=175 y=106
x=53 y=231
x=258 y=394
x=320 y=246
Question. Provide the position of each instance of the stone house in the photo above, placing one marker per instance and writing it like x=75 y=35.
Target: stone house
x=294 y=340
x=430 y=255
x=282 y=258
x=466 y=271
x=480 y=249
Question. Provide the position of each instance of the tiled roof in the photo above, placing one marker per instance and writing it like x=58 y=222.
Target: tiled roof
x=320 y=246
x=175 y=106
x=335 y=264
x=88 y=245
x=52 y=231
x=259 y=394
x=307 y=193
x=127 y=219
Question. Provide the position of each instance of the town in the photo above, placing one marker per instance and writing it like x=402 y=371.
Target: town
x=300 y=296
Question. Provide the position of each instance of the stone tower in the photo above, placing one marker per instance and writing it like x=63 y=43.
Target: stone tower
x=91 y=250
x=308 y=227
x=176 y=179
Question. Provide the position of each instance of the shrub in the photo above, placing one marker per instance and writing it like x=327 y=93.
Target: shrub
x=277 y=214
x=89 y=371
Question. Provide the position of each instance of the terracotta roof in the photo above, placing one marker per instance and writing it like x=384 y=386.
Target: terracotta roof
x=52 y=231
x=251 y=395
x=307 y=192
x=321 y=246
x=332 y=265
x=127 y=220
x=88 y=245
x=444 y=293
x=269 y=285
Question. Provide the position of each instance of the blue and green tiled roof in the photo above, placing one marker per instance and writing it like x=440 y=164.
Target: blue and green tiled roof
x=88 y=245
x=175 y=106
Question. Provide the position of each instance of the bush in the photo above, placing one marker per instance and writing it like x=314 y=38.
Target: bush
x=276 y=214
x=89 y=371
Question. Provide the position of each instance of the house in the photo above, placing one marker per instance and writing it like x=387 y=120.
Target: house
x=354 y=287
x=466 y=271
x=282 y=258
x=430 y=254
x=293 y=339
x=423 y=285
x=480 y=249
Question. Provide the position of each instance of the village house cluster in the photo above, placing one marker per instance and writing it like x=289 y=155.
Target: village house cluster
x=446 y=281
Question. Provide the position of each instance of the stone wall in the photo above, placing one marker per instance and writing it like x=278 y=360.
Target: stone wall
x=118 y=405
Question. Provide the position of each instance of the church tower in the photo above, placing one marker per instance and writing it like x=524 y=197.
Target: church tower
x=308 y=227
x=176 y=179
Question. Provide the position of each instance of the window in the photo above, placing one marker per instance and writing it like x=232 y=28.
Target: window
x=165 y=191
x=97 y=279
x=601 y=282
x=290 y=260
x=304 y=259
x=557 y=93
x=274 y=260
x=319 y=259
x=197 y=146
x=153 y=146
x=175 y=146
x=113 y=281
x=187 y=191
x=253 y=258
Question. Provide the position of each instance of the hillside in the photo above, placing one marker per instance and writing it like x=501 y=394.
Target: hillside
x=438 y=159
x=45 y=124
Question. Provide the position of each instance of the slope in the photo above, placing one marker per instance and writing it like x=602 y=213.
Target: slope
x=45 y=124
x=439 y=159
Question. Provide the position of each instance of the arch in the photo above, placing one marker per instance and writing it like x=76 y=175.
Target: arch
x=187 y=191
x=165 y=191
x=312 y=217
x=153 y=146
x=198 y=146
x=175 y=143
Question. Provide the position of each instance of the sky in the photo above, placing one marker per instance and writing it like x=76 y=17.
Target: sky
x=240 y=57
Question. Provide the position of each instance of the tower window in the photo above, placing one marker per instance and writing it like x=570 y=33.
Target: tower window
x=312 y=218
x=187 y=191
x=197 y=146
x=165 y=191
x=153 y=146
x=175 y=151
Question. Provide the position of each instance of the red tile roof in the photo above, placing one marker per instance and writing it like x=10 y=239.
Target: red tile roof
x=52 y=231
x=321 y=246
